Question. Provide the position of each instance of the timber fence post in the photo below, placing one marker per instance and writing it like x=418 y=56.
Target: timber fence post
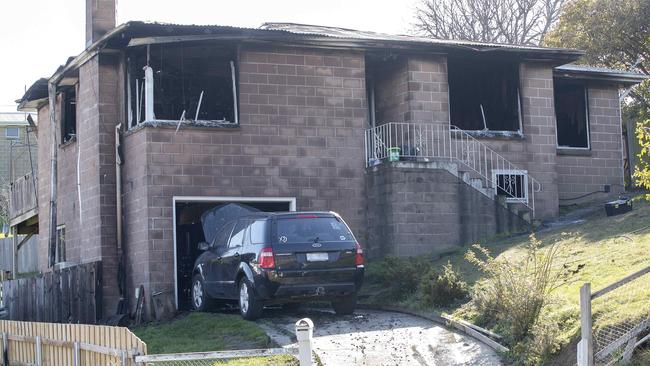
x=39 y=351
x=585 y=346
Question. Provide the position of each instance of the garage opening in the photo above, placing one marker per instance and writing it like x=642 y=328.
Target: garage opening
x=189 y=232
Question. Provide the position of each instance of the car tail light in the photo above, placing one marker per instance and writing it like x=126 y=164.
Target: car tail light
x=358 y=259
x=267 y=261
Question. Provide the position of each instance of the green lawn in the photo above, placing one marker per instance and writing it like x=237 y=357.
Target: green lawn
x=601 y=250
x=204 y=332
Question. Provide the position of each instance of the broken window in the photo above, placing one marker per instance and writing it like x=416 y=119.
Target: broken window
x=484 y=95
x=60 y=244
x=68 y=114
x=513 y=184
x=571 y=114
x=190 y=82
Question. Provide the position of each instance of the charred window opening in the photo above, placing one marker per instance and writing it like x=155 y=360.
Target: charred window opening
x=484 y=95
x=571 y=114
x=190 y=82
x=68 y=114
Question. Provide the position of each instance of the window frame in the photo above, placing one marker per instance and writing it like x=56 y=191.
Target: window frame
x=17 y=137
x=587 y=122
x=60 y=245
x=486 y=131
x=64 y=115
x=521 y=172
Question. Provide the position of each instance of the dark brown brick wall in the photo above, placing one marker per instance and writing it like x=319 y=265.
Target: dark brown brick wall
x=92 y=237
x=419 y=209
x=302 y=116
x=603 y=164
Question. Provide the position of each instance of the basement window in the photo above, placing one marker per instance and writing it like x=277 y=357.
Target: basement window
x=513 y=184
x=484 y=95
x=571 y=114
x=69 y=114
x=193 y=82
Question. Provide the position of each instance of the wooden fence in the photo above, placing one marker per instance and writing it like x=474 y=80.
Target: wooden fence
x=45 y=344
x=70 y=295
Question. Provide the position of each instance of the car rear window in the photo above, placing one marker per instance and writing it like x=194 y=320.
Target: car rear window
x=310 y=230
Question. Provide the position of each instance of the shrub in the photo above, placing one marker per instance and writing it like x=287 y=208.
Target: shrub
x=513 y=295
x=398 y=276
x=442 y=288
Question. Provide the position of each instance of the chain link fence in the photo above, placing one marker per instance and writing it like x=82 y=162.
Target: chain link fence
x=620 y=316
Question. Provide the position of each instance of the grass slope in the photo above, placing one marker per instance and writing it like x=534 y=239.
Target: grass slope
x=600 y=250
x=204 y=332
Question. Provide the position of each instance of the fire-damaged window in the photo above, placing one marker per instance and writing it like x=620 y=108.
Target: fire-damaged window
x=572 y=114
x=60 y=244
x=513 y=184
x=196 y=82
x=484 y=95
x=68 y=114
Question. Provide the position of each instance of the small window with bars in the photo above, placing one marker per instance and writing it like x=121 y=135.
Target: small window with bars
x=513 y=184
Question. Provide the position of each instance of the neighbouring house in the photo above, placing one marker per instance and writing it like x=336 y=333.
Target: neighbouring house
x=422 y=145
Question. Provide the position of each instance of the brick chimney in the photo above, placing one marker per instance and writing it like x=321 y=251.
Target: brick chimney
x=100 y=18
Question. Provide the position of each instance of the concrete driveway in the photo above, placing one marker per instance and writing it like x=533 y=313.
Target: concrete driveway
x=379 y=338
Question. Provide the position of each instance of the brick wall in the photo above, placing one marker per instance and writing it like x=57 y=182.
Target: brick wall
x=91 y=237
x=428 y=91
x=302 y=116
x=417 y=208
x=603 y=164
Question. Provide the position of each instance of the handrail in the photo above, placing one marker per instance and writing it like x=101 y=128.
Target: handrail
x=424 y=141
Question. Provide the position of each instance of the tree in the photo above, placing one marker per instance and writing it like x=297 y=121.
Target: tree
x=524 y=22
x=614 y=34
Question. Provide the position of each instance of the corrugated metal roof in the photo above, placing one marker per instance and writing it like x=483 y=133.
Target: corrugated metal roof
x=335 y=32
x=604 y=73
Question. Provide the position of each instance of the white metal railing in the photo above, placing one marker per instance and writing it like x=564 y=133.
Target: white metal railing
x=437 y=142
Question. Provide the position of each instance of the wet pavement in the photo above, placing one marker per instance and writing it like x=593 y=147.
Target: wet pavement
x=372 y=337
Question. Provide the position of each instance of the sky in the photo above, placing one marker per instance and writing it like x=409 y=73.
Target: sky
x=36 y=36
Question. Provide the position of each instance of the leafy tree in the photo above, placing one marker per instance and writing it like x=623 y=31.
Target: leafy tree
x=642 y=173
x=614 y=34
x=496 y=21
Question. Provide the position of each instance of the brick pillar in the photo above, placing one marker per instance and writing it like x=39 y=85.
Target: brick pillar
x=100 y=18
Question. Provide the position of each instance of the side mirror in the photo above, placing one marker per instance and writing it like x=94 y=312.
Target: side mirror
x=203 y=246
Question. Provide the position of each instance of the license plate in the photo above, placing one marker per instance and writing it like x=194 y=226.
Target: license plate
x=317 y=257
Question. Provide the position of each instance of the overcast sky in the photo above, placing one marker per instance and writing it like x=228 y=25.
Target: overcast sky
x=36 y=36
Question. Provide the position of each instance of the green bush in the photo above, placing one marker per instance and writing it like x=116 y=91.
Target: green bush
x=398 y=276
x=442 y=288
x=513 y=295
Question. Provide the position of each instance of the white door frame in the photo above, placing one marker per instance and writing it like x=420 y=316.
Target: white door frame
x=290 y=200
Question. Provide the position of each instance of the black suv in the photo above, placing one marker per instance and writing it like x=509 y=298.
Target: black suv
x=279 y=258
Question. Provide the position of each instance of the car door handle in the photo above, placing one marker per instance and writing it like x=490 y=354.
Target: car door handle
x=236 y=255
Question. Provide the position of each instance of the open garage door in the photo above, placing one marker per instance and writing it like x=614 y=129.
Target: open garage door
x=188 y=232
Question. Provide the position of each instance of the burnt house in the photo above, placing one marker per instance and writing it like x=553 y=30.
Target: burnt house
x=422 y=145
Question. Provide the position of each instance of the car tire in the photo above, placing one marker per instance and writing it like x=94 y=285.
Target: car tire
x=200 y=300
x=250 y=307
x=345 y=305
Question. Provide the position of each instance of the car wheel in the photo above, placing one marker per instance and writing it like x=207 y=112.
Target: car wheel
x=249 y=306
x=200 y=299
x=345 y=305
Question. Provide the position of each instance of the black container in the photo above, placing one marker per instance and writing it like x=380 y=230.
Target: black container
x=618 y=207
